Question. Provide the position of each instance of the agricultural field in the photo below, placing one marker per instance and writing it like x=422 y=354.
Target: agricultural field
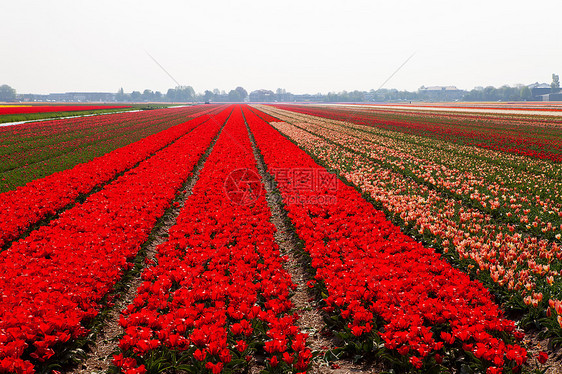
x=27 y=112
x=19 y=109
x=283 y=239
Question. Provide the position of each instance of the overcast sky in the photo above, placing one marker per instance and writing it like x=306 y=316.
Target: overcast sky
x=303 y=46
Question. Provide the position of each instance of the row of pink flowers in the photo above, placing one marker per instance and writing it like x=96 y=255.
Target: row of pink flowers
x=532 y=140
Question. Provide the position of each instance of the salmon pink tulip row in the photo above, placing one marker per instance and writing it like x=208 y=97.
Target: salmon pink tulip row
x=523 y=198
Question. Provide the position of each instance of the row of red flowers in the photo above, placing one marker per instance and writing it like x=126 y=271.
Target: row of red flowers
x=523 y=106
x=382 y=284
x=52 y=282
x=25 y=206
x=30 y=131
x=56 y=108
x=31 y=135
x=217 y=290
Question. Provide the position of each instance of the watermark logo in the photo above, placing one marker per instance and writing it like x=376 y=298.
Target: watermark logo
x=307 y=185
x=243 y=186
x=303 y=186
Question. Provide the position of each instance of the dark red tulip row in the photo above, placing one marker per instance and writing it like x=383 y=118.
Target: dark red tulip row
x=55 y=108
x=53 y=281
x=27 y=205
x=380 y=283
x=217 y=290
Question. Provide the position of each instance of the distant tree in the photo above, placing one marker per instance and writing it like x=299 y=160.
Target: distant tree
x=507 y=93
x=158 y=96
x=473 y=95
x=525 y=93
x=216 y=92
x=186 y=93
x=241 y=92
x=490 y=93
x=136 y=95
x=147 y=95
x=234 y=96
x=171 y=95
x=262 y=96
x=208 y=95
x=356 y=96
x=181 y=93
x=555 y=85
x=189 y=92
x=7 y=93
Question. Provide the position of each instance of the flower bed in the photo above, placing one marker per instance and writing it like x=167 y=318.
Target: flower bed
x=217 y=291
x=27 y=205
x=53 y=281
x=381 y=286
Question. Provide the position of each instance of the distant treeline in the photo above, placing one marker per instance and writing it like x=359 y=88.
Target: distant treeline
x=187 y=94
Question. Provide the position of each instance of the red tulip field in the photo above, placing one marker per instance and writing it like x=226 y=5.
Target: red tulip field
x=423 y=241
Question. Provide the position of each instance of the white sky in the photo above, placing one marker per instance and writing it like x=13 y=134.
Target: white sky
x=303 y=46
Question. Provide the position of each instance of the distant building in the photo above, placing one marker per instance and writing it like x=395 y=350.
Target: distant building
x=82 y=96
x=439 y=89
x=441 y=93
x=539 y=89
x=552 y=97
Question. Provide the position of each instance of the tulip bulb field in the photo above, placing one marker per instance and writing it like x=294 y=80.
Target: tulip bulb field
x=428 y=240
